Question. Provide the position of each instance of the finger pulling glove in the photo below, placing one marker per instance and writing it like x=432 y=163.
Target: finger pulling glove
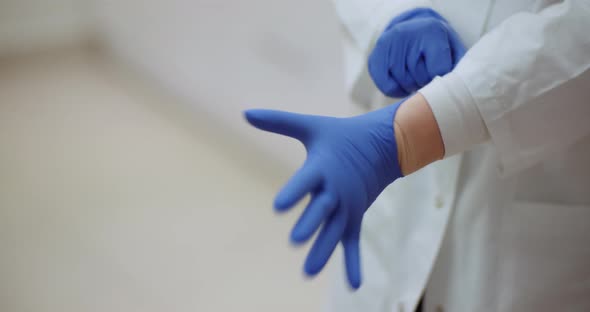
x=415 y=47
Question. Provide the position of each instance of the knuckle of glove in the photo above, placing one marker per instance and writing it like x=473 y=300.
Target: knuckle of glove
x=383 y=59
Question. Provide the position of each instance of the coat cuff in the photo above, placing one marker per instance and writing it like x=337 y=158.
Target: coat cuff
x=459 y=120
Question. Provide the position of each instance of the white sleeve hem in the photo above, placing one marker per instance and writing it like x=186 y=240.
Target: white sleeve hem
x=459 y=120
x=499 y=129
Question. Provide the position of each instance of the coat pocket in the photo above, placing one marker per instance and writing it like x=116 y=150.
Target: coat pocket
x=545 y=257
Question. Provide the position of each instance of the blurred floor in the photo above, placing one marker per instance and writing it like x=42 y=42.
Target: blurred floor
x=114 y=198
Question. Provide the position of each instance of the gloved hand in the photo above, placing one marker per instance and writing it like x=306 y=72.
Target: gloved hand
x=349 y=162
x=416 y=46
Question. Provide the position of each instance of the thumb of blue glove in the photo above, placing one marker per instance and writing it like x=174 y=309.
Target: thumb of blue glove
x=415 y=47
x=349 y=163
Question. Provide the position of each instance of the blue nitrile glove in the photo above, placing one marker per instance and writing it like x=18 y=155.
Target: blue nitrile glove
x=416 y=46
x=349 y=162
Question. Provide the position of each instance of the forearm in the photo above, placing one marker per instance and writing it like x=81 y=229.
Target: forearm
x=417 y=134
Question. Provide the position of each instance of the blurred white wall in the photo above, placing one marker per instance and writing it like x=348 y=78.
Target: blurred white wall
x=225 y=56
x=221 y=57
x=113 y=201
x=109 y=204
x=27 y=25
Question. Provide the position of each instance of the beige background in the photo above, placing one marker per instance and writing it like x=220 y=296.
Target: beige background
x=113 y=197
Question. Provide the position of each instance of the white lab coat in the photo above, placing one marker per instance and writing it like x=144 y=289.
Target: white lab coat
x=504 y=226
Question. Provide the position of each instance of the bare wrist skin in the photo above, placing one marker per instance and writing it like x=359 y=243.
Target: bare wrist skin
x=418 y=137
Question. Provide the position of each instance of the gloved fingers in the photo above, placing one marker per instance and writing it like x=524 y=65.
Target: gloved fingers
x=417 y=65
x=419 y=72
x=319 y=208
x=412 y=14
x=305 y=180
x=404 y=79
x=325 y=243
x=438 y=61
x=429 y=12
x=378 y=66
x=285 y=123
x=407 y=51
x=458 y=49
x=352 y=258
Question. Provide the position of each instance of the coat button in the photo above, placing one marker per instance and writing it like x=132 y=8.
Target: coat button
x=439 y=308
x=439 y=201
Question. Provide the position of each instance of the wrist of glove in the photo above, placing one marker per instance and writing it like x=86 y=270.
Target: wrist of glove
x=418 y=137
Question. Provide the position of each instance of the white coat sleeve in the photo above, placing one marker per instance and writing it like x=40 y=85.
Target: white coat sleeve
x=525 y=85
